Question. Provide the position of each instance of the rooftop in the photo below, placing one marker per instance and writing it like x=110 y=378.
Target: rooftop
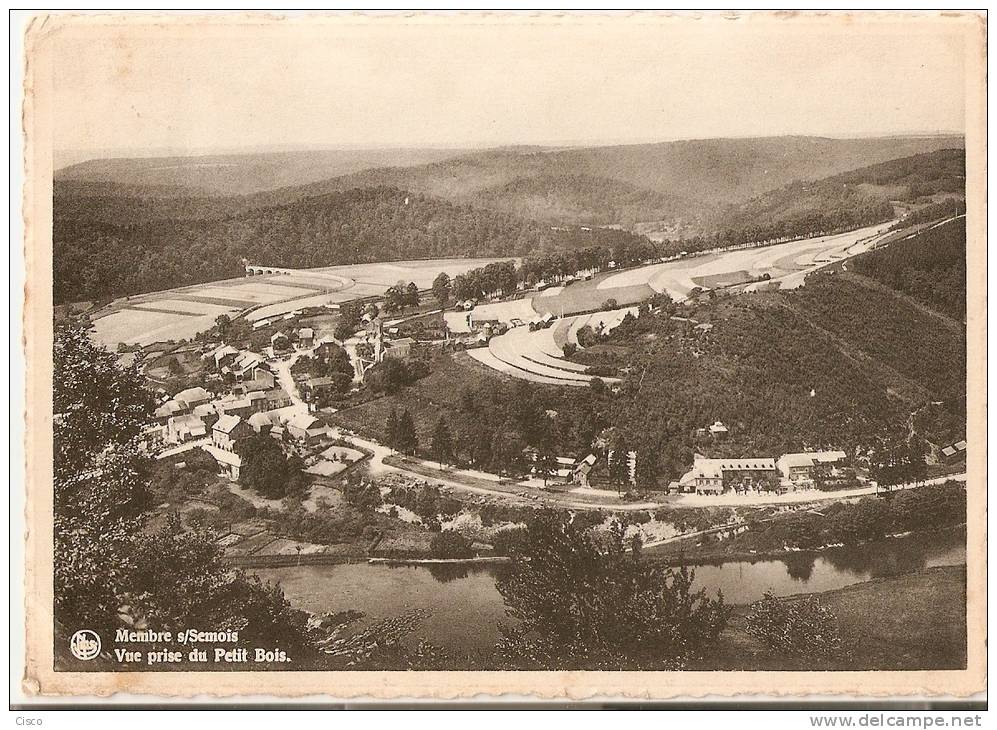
x=227 y=422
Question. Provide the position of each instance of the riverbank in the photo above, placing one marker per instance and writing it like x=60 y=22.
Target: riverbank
x=910 y=622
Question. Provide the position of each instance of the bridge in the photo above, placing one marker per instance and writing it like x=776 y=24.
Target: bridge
x=257 y=270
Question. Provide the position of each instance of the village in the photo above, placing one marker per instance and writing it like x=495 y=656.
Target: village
x=282 y=378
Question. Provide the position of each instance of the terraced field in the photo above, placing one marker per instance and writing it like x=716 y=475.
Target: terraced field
x=538 y=357
x=182 y=313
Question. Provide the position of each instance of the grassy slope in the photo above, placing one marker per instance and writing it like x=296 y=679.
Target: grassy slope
x=914 y=621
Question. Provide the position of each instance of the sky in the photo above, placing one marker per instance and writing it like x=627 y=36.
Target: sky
x=469 y=83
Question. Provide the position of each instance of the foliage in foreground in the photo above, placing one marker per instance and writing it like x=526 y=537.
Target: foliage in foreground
x=803 y=627
x=584 y=601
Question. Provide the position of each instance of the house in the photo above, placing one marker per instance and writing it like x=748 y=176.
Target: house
x=153 y=436
x=245 y=366
x=583 y=469
x=797 y=470
x=312 y=388
x=400 y=348
x=261 y=423
x=192 y=397
x=181 y=429
x=168 y=410
x=208 y=413
x=229 y=461
x=707 y=476
x=221 y=355
x=229 y=430
x=306 y=337
x=954 y=452
x=242 y=407
x=305 y=427
x=277 y=398
x=263 y=379
x=718 y=430
x=259 y=400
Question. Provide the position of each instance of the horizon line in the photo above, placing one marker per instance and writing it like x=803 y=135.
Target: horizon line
x=107 y=153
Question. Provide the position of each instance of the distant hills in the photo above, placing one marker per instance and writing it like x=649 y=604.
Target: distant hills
x=127 y=226
x=625 y=184
x=241 y=174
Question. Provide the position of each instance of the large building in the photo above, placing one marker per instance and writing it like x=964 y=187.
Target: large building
x=797 y=470
x=713 y=476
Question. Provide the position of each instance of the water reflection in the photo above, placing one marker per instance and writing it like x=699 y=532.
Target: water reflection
x=800 y=566
x=465 y=607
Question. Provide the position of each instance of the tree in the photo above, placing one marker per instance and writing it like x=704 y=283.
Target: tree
x=546 y=464
x=223 y=322
x=266 y=469
x=365 y=496
x=181 y=581
x=587 y=603
x=507 y=453
x=394 y=298
x=441 y=288
x=647 y=467
x=412 y=295
x=350 y=314
x=619 y=461
x=408 y=440
x=391 y=430
x=100 y=477
x=442 y=444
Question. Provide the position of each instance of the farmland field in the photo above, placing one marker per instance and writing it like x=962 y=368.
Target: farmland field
x=184 y=312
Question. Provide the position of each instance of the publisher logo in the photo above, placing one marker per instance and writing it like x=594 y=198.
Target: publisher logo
x=85 y=645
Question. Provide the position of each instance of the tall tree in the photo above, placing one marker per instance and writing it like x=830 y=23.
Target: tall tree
x=100 y=477
x=408 y=440
x=546 y=464
x=587 y=603
x=619 y=461
x=441 y=288
x=412 y=295
x=647 y=468
x=391 y=430
x=267 y=470
x=442 y=445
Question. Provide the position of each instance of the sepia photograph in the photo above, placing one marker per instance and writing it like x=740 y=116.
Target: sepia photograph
x=556 y=354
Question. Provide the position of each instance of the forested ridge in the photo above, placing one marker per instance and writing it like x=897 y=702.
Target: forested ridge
x=931 y=267
x=113 y=239
x=95 y=259
x=850 y=200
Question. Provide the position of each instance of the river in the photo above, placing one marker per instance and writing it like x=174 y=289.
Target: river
x=466 y=607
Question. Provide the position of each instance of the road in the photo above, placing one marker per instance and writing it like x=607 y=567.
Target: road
x=450 y=478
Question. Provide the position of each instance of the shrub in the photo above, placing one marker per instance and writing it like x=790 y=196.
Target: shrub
x=806 y=627
x=509 y=541
x=449 y=544
x=569 y=349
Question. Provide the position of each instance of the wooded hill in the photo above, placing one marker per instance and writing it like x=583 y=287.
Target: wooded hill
x=682 y=179
x=116 y=238
x=96 y=259
x=880 y=365
x=849 y=200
